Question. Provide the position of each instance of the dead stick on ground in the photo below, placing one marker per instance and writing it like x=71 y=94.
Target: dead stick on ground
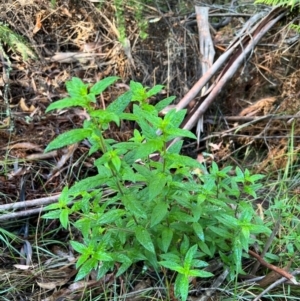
x=276 y=283
x=192 y=120
x=32 y=203
x=273 y=267
x=267 y=245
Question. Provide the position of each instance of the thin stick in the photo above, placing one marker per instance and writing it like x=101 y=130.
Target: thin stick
x=273 y=267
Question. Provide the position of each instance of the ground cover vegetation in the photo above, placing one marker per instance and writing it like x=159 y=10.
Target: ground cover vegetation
x=105 y=195
x=169 y=212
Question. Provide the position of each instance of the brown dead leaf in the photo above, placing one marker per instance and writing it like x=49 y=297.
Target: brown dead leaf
x=47 y=285
x=22 y=266
x=66 y=12
x=26 y=145
x=24 y=107
x=261 y=107
x=5 y=123
x=42 y=156
x=200 y=158
x=68 y=152
x=38 y=23
x=52 y=278
x=71 y=57
x=215 y=147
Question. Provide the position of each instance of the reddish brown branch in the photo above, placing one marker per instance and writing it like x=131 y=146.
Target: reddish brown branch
x=272 y=267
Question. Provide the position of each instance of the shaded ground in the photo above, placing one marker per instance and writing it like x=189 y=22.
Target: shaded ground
x=267 y=84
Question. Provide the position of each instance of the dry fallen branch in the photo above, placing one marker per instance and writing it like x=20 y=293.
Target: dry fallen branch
x=216 y=284
x=207 y=50
x=246 y=47
x=27 y=204
x=274 y=268
x=274 y=284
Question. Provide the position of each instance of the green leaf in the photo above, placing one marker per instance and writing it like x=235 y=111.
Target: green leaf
x=166 y=237
x=181 y=287
x=102 y=256
x=183 y=161
x=151 y=258
x=64 y=218
x=104 y=268
x=82 y=259
x=88 y=183
x=190 y=256
x=171 y=257
x=133 y=206
x=53 y=214
x=124 y=267
x=111 y=216
x=176 y=147
x=67 y=103
x=100 y=86
x=228 y=220
x=174 y=132
x=68 y=138
x=138 y=92
x=171 y=265
x=175 y=117
x=157 y=184
x=151 y=116
x=76 y=88
x=239 y=175
x=255 y=178
x=204 y=248
x=221 y=232
x=56 y=205
x=185 y=244
x=116 y=161
x=144 y=238
x=237 y=254
x=199 y=231
x=153 y=91
x=147 y=148
x=120 y=104
x=105 y=117
x=199 y=263
x=198 y=273
x=164 y=103
x=159 y=212
x=86 y=268
x=245 y=238
x=84 y=226
x=257 y=229
x=181 y=216
x=78 y=247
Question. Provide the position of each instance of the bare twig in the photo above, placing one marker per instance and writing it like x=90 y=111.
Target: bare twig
x=267 y=245
x=211 y=119
x=276 y=283
x=218 y=281
x=207 y=50
x=230 y=70
x=274 y=268
x=32 y=203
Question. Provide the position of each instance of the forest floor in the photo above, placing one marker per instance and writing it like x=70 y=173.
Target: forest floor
x=69 y=39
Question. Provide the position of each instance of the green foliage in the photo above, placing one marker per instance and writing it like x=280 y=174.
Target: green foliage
x=16 y=42
x=286 y=3
x=292 y=4
x=170 y=213
x=137 y=6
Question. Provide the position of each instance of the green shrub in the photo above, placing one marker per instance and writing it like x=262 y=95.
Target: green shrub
x=293 y=5
x=169 y=213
